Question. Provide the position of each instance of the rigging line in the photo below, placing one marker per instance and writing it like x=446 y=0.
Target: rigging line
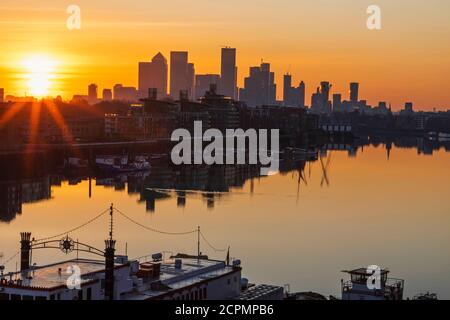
x=15 y=255
x=210 y=245
x=76 y=228
x=154 y=230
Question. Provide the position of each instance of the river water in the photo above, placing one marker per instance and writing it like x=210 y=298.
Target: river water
x=382 y=205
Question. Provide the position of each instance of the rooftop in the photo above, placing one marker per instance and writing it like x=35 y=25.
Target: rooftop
x=55 y=275
x=260 y=292
x=364 y=272
x=192 y=271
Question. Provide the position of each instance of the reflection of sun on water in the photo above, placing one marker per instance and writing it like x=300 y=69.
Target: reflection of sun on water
x=39 y=72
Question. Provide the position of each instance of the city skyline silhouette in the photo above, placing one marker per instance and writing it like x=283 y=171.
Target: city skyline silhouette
x=314 y=42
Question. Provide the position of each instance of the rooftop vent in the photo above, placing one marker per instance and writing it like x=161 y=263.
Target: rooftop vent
x=157 y=257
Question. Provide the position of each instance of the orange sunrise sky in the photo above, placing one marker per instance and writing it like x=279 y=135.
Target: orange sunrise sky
x=407 y=60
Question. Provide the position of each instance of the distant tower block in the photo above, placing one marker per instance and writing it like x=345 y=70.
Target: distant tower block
x=287 y=87
x=354 y=92
x=92 y=92
x=228 y=73
x=153 y=74
x=107 y=95
x=178 y=72
x=409 y=107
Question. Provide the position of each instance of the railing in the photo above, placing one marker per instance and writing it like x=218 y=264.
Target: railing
x=392 y=288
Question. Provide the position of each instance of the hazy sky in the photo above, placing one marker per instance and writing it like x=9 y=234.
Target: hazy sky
x=315 y=40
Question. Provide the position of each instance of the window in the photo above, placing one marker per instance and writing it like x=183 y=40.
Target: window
x=52 y=297
x=27 y=298
x=89 y=294
x=16 y=297
x=58 y=296
x=80 y=294
x=196 y=295
x=192 y=295
x=204 y=293
x=41 y=298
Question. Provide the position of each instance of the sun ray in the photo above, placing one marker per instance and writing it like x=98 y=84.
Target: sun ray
x=12 y=111
x=61 y=124
x=34 y=121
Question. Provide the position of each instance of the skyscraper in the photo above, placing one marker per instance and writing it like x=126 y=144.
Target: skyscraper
x=320 y=101
x=337 y=102
x=153 y=75
x=294 y=97
x=228 y=84
x=301 y=94
x=107 y=95
x=325 y=91
x=92 y=93
x=203 y=83
x=354 y=92
x=409 y=107
x=2 y=95
x=178 y=73
x=191 y=81
x=259 y=88
x=125 y=93
x=287 y=89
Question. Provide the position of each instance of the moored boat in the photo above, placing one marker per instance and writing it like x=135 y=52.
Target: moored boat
x=120 y=164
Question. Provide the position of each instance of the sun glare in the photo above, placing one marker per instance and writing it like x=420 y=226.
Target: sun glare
x=39 y=72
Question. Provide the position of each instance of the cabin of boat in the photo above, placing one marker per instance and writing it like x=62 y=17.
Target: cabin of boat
x=358 y=288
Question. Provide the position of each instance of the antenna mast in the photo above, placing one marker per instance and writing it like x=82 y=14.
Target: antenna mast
x=198 y=242
x=111 y=223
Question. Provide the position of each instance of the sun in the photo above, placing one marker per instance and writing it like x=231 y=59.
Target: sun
x=39 y=73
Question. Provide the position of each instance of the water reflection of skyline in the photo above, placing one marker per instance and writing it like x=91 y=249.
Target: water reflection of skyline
x=210 y=183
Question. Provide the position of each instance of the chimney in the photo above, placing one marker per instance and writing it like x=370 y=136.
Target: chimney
x=109 y=268
x=153 y=94
x=25 y=249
